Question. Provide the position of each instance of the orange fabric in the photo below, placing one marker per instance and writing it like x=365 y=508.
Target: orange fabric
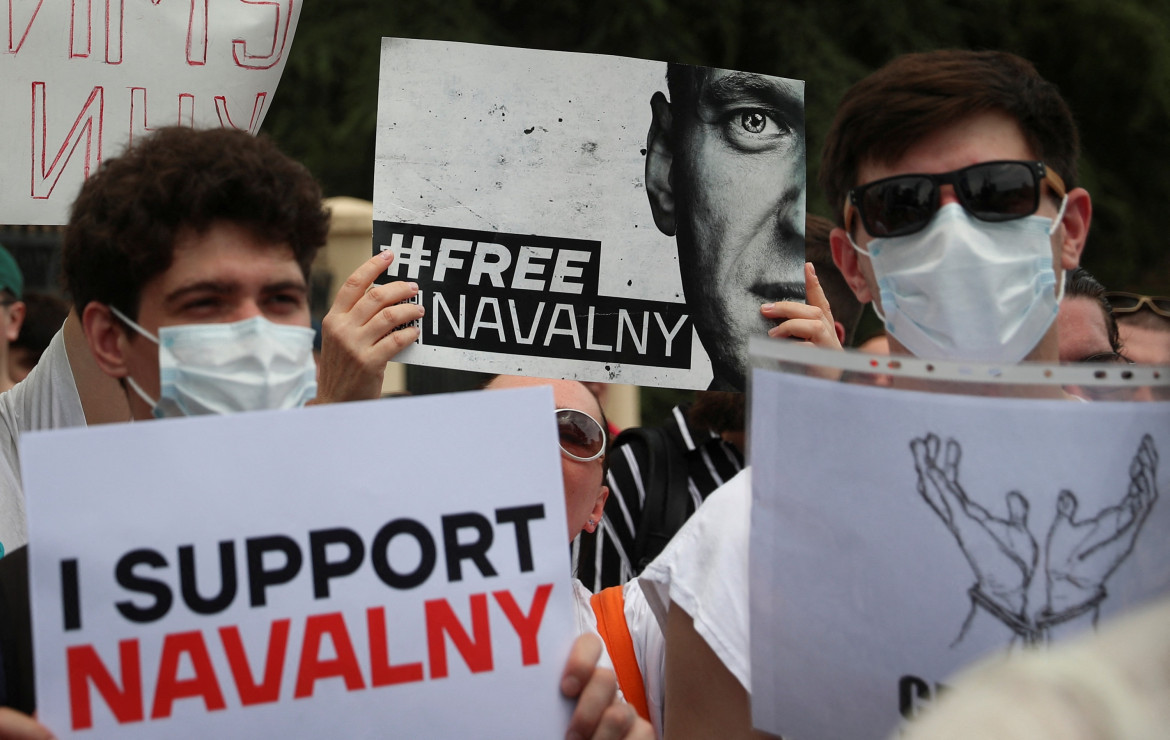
x=609 y=606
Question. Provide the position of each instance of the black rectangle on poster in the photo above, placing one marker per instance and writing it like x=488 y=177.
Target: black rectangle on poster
x=528 y=295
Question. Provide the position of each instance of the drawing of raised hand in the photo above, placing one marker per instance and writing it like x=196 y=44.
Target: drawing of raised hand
x=1083 y=554
x=1002 y=552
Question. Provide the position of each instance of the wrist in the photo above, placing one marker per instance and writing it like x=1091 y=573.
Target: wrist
x=1011 y=600
x=1016 y=621
x=1066 y=596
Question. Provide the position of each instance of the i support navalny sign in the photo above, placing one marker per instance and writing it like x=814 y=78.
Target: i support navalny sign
x=331 y=571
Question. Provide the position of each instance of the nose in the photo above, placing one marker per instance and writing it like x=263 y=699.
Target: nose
x=247 y=309
x=946 y=195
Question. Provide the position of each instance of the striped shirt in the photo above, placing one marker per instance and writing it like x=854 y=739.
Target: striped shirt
x=605 y=558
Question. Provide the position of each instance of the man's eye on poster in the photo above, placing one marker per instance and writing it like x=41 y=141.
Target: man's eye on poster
x=587 y=216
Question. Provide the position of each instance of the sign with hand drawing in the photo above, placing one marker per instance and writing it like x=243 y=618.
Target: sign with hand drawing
x=934 y=530
x=81 y=79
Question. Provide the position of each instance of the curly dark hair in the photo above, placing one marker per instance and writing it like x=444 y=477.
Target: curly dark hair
x=123 y=226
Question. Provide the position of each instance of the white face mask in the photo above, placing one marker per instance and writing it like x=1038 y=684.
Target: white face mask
x=966 y=289
x=247 y=365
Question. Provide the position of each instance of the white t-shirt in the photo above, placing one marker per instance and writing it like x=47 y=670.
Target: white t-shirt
x=46 y=399
x=645 y=634
x=587 y=620
x=704 y=570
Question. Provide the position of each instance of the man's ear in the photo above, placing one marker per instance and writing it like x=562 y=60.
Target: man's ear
x=16 y=313
x=1078 y=212
x=599 y=504
x=846 y=259
x=659 y=156
x=107 y=339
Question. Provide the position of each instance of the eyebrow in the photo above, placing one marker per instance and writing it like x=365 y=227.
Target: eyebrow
x=774 y=91
x=226 y=288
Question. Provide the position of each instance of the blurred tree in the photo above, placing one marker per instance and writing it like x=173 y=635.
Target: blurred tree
x=1111 y=60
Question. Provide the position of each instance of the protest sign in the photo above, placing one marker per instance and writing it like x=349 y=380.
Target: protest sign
x=897 y=535
x=80 y=79
x=351 y=570
x=565 y=216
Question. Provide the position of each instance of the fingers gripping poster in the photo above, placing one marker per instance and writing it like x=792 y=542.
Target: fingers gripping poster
x=939 y=529
x=338 y=571
x=587 y=216
x=82 y=78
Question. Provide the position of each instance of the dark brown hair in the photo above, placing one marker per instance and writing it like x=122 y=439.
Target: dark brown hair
x=913 y=96
x=124 y=223
x=1080 y=283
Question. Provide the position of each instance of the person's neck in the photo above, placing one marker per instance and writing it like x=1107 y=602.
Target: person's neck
x=6 y=381
x=1046 y=351
x=737 y=439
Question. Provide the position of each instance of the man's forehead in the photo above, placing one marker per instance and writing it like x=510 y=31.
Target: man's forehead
x=228 y=256
x=567 y=394
x=982 y=137
x=724 y=86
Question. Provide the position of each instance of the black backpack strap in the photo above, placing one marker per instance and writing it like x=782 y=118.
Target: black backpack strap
x=665 y=481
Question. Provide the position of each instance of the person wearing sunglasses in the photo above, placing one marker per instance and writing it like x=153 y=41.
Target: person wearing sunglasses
x=959 y=216
x=1144 y=323
x=584 y=450
x=583 y=447
x=952 y=176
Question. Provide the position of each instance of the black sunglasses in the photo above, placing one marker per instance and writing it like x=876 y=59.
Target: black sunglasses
x=1123 y=302
x=582 y=437
x=990 y=191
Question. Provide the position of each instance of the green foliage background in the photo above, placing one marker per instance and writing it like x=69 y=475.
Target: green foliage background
x=1110 y=59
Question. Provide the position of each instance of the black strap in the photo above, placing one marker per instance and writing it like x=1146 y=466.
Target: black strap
x=665 y=481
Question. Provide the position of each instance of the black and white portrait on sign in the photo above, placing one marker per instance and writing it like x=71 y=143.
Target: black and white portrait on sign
x=588 y=216
x=725 y=175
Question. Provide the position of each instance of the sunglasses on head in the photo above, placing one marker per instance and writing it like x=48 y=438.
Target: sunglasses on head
x=1123 y=302
x=582 y=437
x=990 y=191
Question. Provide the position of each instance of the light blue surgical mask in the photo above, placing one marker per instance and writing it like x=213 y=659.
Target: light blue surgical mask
x=966 y=289
x=247 y=365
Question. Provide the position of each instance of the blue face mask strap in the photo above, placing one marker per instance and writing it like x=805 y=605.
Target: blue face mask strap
x=1052 y=230
x=141 y=393
x=129 y=322
x=1059 y=216
x=852 y=243
x=130 y=381
x=873 y=304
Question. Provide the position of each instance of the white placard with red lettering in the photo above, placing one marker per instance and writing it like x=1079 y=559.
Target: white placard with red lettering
x=899 y=535
x=392 y=568
x=80 y=79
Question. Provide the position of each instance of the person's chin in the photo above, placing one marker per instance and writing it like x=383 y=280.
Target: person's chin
x=728 y=365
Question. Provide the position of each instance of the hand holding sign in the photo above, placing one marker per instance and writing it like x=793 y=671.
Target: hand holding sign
x=1083 y=554
x=17 y=726
x=599 y=712
x=811 y=322
x=365 y=329
x=1002 y=552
